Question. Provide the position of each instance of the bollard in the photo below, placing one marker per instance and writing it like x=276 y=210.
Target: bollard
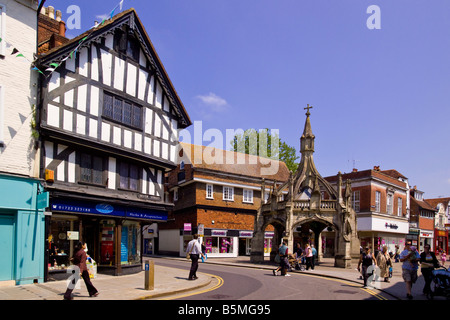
x=149 y=275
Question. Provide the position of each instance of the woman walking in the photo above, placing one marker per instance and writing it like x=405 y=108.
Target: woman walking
x=384 y=262
x=79 y=259
x=366 y=259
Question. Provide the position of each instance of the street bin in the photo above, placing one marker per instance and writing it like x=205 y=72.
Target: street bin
x=149 y=275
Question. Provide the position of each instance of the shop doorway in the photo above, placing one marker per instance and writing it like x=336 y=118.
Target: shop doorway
x=244 y=246
x=7 y=245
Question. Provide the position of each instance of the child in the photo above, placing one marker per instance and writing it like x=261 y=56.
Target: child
x=443 y=258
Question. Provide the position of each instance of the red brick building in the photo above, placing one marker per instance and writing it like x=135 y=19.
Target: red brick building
x=220 y=191
x=380 y=199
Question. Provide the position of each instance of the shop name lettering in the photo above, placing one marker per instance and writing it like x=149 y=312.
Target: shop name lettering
x=391 y=225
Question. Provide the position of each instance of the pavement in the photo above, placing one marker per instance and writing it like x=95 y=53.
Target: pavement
x=168 y=281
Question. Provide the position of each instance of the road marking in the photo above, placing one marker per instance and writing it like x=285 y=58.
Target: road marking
x=217 y=286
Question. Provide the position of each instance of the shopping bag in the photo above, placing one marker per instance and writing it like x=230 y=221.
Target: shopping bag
x=92 y=267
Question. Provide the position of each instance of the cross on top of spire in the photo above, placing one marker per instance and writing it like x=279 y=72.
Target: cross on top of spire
x=307 y=108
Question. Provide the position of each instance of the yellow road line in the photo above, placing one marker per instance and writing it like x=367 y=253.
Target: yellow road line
x=218 y=285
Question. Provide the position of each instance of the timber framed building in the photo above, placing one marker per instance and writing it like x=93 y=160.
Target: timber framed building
x=109 y=121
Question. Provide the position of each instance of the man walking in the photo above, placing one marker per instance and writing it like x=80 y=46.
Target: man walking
x=410 y=258
x=195 y=250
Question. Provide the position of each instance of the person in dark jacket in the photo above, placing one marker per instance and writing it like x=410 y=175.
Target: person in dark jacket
x=428 y=262
x=79 y=259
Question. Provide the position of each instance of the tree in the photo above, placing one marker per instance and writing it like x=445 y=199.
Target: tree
x=265 y=144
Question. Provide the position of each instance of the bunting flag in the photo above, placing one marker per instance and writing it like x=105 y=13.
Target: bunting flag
x=54 y=65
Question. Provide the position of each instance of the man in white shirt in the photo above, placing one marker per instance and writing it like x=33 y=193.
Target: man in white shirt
x=195 y=250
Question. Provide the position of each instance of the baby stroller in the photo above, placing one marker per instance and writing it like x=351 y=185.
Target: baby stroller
x=440 y=283
x=296 y=263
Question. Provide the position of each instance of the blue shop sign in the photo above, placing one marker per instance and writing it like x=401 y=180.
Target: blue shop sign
x=104 y=208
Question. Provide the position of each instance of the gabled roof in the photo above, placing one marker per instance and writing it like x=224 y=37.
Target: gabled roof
x=213 y=159
x=434 y=202
x=131 y=18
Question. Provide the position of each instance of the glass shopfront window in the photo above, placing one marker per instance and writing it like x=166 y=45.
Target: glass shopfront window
x=130 y=243
x=219 y=244
x=107 y=242
x=63 y=236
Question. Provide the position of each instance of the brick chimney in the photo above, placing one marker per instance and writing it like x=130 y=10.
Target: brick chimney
x=51 y=29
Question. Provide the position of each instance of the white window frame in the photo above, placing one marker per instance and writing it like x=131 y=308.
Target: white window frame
x=377 y=201
x=247 y=195
x=209 y=191
x=228 y=193
x=399 y=206
x=390 y=203
x=356 y=201
x=2 y=28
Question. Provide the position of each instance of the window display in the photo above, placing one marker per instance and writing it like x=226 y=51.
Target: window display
x=107 y=242
x=62 y=238
x=130 y=243
x=219 y=244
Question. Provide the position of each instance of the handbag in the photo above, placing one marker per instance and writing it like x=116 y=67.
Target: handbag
x=188 y=255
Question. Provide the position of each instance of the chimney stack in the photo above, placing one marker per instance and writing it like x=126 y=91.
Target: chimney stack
x=51 y=29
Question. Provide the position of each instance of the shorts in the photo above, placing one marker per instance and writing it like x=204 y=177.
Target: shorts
x=409 y=275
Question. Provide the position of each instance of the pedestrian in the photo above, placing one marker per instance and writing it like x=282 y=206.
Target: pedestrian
x=384 y=262
x=366 y=259
x=428 y=262
x=309 y=257
x=284 y=262
x=298 y=251
x=410 y=258
x=195 y=250
x=443 y=258
x=397 y=253
x=79 y=259
x=314 y=256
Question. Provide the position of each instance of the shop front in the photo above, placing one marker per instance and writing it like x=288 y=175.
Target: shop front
x=426 y=238
x=222 y=243
x=441 y=240
x=112 y=232
x=377 y=232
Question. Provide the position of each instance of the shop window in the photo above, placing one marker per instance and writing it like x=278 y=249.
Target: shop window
x=62 y=238
x=107 y=242
x=130 y=243
x=219 y=244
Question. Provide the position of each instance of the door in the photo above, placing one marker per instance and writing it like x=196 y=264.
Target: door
x=6 y=247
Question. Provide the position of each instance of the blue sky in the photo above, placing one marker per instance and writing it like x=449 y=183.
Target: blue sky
x=380 y=97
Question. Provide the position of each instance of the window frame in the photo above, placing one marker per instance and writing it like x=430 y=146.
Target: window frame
x=209 y=193
x=356 y=201
x=399 y=206
x=377 y=201
x=226 y=194
x=128 y=177
x=111 y=115
x=94 y=160
x=247 y=195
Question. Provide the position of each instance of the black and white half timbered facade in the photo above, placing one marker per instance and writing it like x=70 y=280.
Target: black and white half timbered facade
x=109 y=121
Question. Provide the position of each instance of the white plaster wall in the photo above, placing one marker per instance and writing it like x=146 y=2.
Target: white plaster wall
x=18 y=90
